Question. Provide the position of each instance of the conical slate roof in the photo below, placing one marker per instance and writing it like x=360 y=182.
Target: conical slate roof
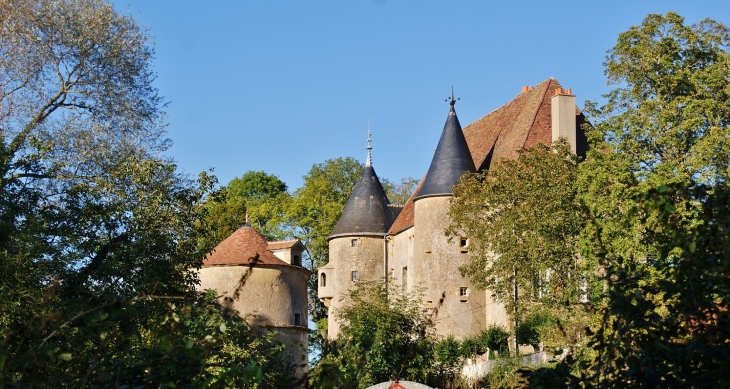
x=451 y=159
x=367 y=210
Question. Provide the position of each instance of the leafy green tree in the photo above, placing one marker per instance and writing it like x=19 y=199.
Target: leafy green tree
x=256 y=195
x=99 y=235
x=314 y=211
x=524 y=221
x=655 y=192
x=385 y=338
x=399 y=193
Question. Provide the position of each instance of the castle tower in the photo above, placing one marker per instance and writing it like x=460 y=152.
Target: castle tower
x=456 y=305
x=357 y=244
x=264 y=282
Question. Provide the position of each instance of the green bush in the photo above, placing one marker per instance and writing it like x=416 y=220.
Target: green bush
x=529 y=332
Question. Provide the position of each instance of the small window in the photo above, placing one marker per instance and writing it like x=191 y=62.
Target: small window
x=429 y=304
x=463 y=242
x=355 y=276
x=296 y=260
x=323 y=280
x=297 y=319
x=463 y=291
x=404 y=279
x=353 y=243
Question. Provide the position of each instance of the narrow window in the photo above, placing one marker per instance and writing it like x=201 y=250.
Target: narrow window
x=355 y=275
x=463 y=242
x=296 y=260
x=297 y=319
x=323 y=279
x=353 y=243
x=404 y=278
x=463 y=291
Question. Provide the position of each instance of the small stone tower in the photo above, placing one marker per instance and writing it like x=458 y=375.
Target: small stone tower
x=436 y=260
x=265 y=282
x=357 y=245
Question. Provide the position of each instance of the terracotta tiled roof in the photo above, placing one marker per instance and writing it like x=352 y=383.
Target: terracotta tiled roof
x=405 y=218
x=244 y=247
x=523 y=122
x=284 y=244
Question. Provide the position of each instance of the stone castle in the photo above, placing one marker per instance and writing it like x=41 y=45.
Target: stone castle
x=374 y=240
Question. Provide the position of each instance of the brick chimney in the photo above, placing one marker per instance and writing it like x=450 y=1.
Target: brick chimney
x=563 y=114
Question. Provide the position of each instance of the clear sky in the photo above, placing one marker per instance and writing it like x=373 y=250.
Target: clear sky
x=281 y=85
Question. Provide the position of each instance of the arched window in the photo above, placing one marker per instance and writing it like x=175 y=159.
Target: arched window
x=323 y=279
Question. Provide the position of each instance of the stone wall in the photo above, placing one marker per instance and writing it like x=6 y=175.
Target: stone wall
x=270 y=298
x=458 y=308
x=365 y=258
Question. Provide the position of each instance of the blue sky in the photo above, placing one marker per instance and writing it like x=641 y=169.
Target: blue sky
x=281 y=85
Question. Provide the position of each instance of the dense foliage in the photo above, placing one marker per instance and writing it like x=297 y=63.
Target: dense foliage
x=645 y=219
x=259 y=198
x=99 y=235
x=385 y=338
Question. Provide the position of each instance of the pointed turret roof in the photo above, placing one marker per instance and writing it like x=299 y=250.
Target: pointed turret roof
x=523 y=122
x=367 y=211
x=451 y=159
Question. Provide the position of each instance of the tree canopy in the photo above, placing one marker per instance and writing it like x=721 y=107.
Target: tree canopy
x=260 y=197
x=99 y=234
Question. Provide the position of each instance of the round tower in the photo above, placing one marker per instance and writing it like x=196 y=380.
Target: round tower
x=270 y=292
x=357 y=245
x=457 y=308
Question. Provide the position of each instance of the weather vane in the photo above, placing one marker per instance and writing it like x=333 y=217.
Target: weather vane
x=369 y=160
x=452 y=97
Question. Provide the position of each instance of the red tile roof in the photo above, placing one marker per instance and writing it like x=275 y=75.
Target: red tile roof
x=523 y=122
x=244 y=247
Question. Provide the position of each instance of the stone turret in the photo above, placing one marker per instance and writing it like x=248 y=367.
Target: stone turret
x=270 y=292
x=357 y=244
x=452 y=298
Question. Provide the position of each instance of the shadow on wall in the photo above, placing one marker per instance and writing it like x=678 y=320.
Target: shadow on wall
x=228 y=301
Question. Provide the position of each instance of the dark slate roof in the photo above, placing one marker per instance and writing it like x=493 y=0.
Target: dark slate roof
x=367 y=211
x=451 y=159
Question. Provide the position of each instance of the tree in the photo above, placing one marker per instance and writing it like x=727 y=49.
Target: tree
x=655 y=192
x=385 y=338
x=315 y=209
x=99 y=234
x=256 y=195
x=523 y=220
x=399 y=193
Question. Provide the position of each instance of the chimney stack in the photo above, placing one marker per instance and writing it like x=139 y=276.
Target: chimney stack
x=563 y=115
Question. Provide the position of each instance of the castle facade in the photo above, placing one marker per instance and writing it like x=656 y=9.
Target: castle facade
x=374 y=240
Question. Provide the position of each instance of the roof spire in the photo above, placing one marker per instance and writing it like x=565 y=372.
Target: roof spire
x=452 y=101
x=246 y=224
x=369 y=160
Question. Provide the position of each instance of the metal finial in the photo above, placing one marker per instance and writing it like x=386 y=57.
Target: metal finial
x=369 y=160
x=246 y=218
x=452 y=100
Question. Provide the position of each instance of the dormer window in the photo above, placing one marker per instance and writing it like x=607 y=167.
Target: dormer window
x=296 y=260
x=297 y=319
x=323 y=280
